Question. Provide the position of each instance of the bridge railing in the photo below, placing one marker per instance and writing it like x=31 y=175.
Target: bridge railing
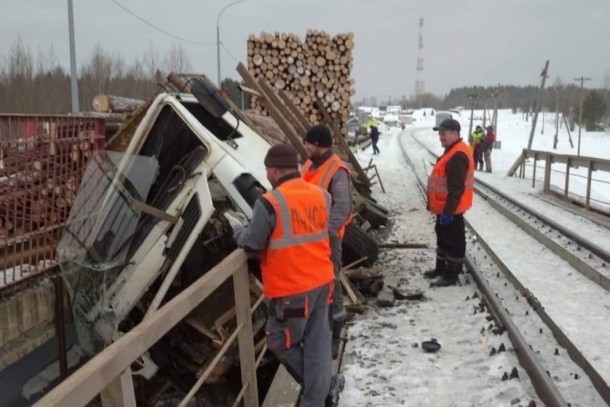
x=109 y=373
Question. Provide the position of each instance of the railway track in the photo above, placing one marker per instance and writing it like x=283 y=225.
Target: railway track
x=561 y=367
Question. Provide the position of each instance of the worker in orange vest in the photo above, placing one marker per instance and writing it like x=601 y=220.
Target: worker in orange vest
x=450 y=193
x=325 y=169
x=289 y=226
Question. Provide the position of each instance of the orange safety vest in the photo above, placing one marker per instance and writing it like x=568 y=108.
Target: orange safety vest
x=437 y=182
x=322 y=176
x=297 y=258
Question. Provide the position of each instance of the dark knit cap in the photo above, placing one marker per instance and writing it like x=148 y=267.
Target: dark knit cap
x=448 y=124
x=319 y=135
x=281 y=156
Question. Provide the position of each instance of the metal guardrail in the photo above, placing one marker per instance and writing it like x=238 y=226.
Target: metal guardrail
x=109 y=372
x=42 y=158
x=571 y=161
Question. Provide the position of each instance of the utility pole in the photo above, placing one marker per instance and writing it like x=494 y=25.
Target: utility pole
x=73 y=74
x=218 y=39
x=496 y=94
x=419 y=69
x=471 y=98
x=582 y=80
x=557 y=89
x=544 y=75
x=484 y=114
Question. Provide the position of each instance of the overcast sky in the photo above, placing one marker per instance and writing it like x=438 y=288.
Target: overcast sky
x=466 y=42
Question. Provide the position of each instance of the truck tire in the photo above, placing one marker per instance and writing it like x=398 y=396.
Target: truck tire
x=357 y=244
x=375 y=214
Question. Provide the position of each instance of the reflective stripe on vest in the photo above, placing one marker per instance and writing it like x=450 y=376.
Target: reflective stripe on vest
x=290 y=239
x=297 y=258
x=437 y=182
x=322 y=176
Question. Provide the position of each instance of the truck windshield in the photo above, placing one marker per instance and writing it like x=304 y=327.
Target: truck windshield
x=102 y=220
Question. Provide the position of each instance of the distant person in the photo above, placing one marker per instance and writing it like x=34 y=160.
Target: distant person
x=374 y=135
x=450 y=193
x=402 y=126
x=490 y=138
x=476 y=146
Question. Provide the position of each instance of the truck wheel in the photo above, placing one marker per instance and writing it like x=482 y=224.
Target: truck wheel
x=375 y=214
x=358 y=244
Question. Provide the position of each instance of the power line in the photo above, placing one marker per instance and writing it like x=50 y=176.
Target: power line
x=205 y=44
x=229 y=52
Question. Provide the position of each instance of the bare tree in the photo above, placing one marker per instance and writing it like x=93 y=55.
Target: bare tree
x=99 y=70
x=150 y=60
x=20 y=61
x=177 y=59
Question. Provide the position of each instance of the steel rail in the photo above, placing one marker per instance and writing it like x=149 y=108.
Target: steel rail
x=543 y=384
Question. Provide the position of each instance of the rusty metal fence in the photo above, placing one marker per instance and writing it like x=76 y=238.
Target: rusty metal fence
x=42 y=159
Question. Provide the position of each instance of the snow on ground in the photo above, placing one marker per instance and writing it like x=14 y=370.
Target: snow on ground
x=14 y=274
x=383 y=361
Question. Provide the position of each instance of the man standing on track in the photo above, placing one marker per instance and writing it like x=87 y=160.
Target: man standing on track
x=450 y=194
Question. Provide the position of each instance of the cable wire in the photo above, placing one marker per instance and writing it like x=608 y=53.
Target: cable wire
x=204 y=44
x=229 y=52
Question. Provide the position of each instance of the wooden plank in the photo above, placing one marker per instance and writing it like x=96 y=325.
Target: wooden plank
x=354 y=295
x=277 y=116
x=294 y=109
x=119 y=392
x=284 y=390
x=88 y=381
x=341 y=140
x=296 y=124
x=245 y=340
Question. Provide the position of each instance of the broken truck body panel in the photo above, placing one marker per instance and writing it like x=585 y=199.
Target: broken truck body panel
x=171 y=229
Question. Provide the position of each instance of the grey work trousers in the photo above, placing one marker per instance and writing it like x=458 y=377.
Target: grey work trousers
x=298 y=333
x=337 y=311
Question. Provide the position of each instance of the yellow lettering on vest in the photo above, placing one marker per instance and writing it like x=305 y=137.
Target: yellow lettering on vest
x=308 y=220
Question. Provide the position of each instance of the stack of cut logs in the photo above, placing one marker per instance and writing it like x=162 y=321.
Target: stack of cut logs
x=319 y=68
x=39 y=180
x=115 y=110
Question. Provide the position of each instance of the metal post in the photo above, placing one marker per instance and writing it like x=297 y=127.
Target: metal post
x=218 y=53
x=582 y=79
x=544 y=75
x=218 y=37
x=556 y=138
x=60 y=327
x=472 y=97
x=73 y=75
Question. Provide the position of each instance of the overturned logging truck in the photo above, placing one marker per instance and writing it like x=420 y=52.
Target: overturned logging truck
x=147 y=225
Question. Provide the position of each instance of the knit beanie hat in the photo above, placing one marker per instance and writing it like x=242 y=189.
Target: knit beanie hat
x=319 y=135
x=281 y=156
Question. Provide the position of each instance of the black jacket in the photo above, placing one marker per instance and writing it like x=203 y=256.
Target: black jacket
x=374 y=134
x=457 y=170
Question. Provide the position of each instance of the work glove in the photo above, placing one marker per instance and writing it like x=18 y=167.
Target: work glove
x=234 y=221
x=446 y=219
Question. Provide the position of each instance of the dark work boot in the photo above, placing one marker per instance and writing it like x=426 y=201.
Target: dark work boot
x=337 y=382
x=337 y=326
x=450 y=277
x=436 y=271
